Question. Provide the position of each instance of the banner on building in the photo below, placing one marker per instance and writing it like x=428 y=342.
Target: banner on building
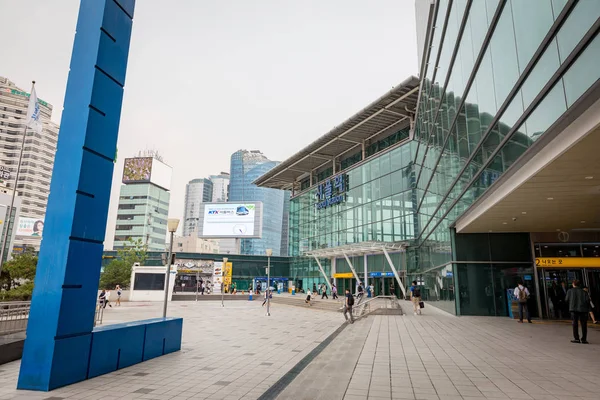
x=30 y=227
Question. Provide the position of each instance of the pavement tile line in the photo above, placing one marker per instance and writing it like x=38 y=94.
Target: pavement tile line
x=288 y=377
x=360 y=356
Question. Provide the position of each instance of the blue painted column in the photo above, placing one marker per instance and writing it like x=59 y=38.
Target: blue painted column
x=57 y=348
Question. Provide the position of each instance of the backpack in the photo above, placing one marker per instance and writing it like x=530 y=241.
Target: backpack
x=351 y=300
x=416 y=292
x=522 y=295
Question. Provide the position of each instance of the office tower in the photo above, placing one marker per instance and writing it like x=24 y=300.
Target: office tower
x=246 y=166
x=220 y=187
x=38 y=155
x=197 y=191
x=144 y=202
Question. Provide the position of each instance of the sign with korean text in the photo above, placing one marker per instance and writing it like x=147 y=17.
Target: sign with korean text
x=344 y=275
x=332 y=191
x=567 y=262
x=380 y=274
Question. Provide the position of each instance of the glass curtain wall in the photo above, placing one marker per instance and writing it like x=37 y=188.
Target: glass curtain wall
x=496 y=81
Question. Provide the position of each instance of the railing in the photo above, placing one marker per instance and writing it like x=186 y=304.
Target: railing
x=14 y=316
x=361 y=307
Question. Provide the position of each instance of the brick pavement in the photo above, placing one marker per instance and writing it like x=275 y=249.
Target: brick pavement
x=238 y=353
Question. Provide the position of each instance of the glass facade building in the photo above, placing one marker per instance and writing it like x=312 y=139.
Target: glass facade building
x=246 y=167
x=197 y=191
x=500 y=81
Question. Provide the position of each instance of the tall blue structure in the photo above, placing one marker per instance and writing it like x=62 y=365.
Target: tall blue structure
x=62 y=346
x=246 y=167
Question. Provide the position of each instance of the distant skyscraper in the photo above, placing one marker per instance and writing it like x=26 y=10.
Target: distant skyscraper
x=38 y=156
x=144 y=203
x=246 y=166
x=220 y=187
x=197 y=191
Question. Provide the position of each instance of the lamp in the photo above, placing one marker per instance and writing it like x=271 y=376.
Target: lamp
x=269 y=254
x=172 y=224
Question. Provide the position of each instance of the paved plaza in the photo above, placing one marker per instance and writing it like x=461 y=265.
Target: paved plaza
x=236 y=352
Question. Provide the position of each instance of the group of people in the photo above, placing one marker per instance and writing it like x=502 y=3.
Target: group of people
x=575 y=300
x=104 y=297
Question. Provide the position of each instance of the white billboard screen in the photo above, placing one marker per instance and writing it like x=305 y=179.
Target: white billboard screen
x=161 y=174
x=229 y=220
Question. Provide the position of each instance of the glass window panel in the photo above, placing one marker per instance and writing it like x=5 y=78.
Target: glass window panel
x=548 y=111
x=557 y=6
x=504 y=56
x=386 y=185
x=375 y=169
x=541 y=73
x=396 y=159
x=583 y=73
x=385 y=165
x=532 y=20
x=580 y=20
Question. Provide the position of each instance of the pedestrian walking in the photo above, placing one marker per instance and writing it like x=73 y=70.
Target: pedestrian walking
x=324 y=293
x=267 y=293
x=334 y=292
x=415 y=297
x=578 y=301
x=315 y=288
x=372 y=289
x=521 y=293
x=348 y=303
x=307 y=301
x=119 y=293
x=361 y=292
x=102 y=298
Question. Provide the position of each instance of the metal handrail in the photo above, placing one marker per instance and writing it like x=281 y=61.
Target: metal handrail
x=363 y=305
x=14 y=316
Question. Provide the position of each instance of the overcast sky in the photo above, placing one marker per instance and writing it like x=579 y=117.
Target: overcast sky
x=207 y=78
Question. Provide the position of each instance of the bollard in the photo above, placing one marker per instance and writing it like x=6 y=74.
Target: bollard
x=293 y=290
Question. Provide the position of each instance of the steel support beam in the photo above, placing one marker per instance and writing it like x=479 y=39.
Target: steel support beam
x=323 y=272
x=389 y=259
x=352 y=268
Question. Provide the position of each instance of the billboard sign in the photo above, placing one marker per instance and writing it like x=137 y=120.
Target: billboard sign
x=230 y=220
x=4 y=173
x=30 y=227
x=147 y=170
x=137 y=170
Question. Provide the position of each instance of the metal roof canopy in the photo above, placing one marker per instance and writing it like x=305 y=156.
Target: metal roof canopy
x=392 y=110
x=357 y=249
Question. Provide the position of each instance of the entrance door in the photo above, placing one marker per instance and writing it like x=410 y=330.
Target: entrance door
x=557 y=282
x=593 y=276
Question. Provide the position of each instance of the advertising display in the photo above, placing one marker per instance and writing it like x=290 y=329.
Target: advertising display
x=30 y=227
x=229 y=220
x=137 y=170
x=147 y=170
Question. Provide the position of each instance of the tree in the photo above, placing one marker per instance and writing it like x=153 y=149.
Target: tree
x=118 y=271
x=17 y=277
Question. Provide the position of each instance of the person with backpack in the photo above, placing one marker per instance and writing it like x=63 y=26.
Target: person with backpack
x=348 y=303
x=334 y=292
x=415 y=297
x=521 y=293
x=324 y=292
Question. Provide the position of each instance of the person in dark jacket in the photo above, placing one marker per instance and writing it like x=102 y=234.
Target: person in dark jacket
x=578 y=301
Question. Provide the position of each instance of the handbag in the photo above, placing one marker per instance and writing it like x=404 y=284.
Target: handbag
x=421 y=304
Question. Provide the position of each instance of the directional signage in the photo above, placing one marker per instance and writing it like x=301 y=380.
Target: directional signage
x=567 y=262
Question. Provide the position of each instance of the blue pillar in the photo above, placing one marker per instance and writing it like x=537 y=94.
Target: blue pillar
x=59 y=333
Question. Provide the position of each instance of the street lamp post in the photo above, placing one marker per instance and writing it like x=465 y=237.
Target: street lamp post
x=172 y=224
x=225 y=259
x=269 y=254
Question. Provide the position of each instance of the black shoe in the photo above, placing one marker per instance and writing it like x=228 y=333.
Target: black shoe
x=576 y=341
x=530 y=322
x=585 y=342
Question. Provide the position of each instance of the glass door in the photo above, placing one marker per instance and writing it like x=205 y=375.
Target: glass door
x=557 y=283
x=593 y=277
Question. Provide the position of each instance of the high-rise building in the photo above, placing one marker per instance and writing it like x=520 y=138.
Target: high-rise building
x=197 y=191
x=144 y=202
x=220 y=187
x=38 y=156
x=246 y=167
